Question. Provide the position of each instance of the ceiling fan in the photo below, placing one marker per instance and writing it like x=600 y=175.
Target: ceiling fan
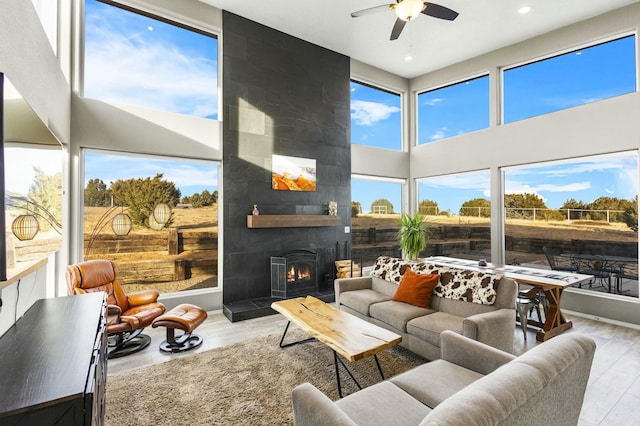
x=406 y=10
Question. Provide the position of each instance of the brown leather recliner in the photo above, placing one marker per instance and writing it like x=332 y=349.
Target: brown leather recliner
x=127 y=314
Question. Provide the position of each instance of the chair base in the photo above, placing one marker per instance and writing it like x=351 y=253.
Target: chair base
x=183 y=343
x=129 y=346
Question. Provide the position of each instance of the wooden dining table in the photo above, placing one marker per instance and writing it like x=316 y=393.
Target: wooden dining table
x=551 y=282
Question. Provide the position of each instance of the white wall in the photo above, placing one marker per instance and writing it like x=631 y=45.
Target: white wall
x=27 y=59
x=19 y=296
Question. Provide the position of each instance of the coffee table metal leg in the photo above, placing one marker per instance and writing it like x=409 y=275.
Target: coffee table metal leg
x=375 y=356
x=336 y=358
x=285 y=345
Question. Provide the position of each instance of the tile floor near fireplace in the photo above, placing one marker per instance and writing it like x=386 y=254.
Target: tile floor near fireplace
x=260 y=307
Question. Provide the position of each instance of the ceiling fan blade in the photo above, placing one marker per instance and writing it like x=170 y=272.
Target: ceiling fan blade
x=438 y=11
x=397 y=28
x=371 y=10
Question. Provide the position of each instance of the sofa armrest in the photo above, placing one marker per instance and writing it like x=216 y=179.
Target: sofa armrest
x=313 y=408
x=471 y=354
x=350 y=284
x=494 y=328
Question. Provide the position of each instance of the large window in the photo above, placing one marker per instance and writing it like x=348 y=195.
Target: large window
x=574 y=78
x=376 y=205
x=580 y=214
x=376 y=118
x=144 y=61
x=460 y=207
x=156 y=217
x=453 y=110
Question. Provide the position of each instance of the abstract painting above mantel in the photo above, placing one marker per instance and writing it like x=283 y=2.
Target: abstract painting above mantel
x=293 y=173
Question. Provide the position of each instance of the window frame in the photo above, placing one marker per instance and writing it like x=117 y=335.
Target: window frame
x=80 y=255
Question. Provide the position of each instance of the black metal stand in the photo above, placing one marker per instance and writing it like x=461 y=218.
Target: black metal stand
x=286 y=345
x=336 y=359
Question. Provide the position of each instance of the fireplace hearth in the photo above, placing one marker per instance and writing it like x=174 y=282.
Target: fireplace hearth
x=294 y=273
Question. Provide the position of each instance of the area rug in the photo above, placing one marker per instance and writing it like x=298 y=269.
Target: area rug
x=248 y=383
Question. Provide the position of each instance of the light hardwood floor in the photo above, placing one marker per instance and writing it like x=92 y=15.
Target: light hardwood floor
x=612 y=397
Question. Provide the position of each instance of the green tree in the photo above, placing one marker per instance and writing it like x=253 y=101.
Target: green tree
x=195 y=200
x=96 y=194
x=46 y=192
x=142 y=195
x=520 y=206
x=630 y=215
x=207 y=198
x=383 y=205
x=428 y=207
x=478 y=207
x=577 y=209
x=356 y=208
x=602 y=204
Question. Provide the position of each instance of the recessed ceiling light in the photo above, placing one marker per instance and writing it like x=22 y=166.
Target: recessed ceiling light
x=524 y=9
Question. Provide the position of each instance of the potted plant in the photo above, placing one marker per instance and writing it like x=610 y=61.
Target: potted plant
x=414 y=234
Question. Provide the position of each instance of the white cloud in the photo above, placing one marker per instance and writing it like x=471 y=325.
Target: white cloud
x=472 y=180
x=516 y=187
x=439 y=134
x=146 y=69
x=433 y=101
x=367 y=113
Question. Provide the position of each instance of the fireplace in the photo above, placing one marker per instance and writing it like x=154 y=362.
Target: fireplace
x=294 y=273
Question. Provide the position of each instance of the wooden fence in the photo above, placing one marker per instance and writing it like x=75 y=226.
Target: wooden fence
x=159 y=257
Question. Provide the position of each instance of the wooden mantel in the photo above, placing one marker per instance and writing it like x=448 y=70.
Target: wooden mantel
x=291 y=220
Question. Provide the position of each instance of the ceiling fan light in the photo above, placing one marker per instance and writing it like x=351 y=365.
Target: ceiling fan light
x=409 y=9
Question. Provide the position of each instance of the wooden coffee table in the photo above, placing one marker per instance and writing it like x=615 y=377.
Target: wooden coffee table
x=346 y=334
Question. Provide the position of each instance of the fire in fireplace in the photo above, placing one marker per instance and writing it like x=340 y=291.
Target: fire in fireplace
x=294 y=273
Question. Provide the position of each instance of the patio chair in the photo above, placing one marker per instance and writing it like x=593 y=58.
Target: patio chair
x=552 y=256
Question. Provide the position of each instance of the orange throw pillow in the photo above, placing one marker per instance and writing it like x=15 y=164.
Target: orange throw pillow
x=416 y=289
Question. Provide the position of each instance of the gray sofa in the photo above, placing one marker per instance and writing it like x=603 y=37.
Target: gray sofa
x=472 y=384
x=370 y=298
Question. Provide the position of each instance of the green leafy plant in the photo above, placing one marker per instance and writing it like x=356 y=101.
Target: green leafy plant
x=414 y=234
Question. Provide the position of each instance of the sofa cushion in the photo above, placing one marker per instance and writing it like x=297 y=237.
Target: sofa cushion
x=433 y=382
x=468 y=286
x=383 y=404
x=428 y=328
x=416 y=289
x=390 y=268
x=361 y=300
x=457 y=284
x=397 y=314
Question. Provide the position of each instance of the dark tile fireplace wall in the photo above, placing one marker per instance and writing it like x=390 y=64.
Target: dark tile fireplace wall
x=281 y=95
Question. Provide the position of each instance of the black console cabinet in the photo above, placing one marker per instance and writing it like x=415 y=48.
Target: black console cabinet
x=53 y=363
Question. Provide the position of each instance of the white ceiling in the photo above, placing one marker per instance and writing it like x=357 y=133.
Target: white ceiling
x=482 y=26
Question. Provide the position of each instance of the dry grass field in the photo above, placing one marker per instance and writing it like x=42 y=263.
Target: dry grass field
x=563 y=230
x=204 y=218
